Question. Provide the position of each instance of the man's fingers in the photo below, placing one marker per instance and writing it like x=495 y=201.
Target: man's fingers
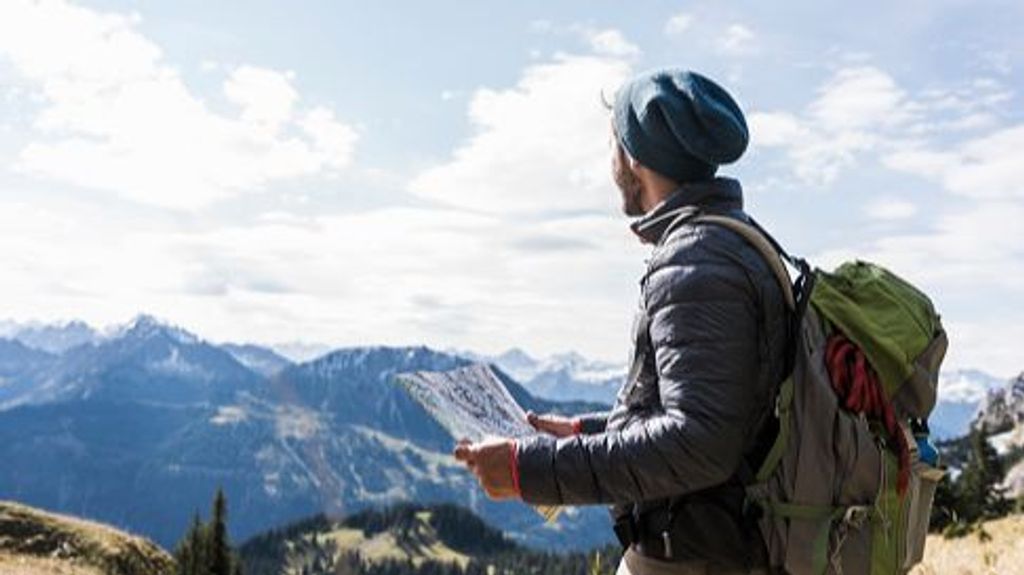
x=553 y=424
x=537 y=421
x=540 y=422
x=464 y=452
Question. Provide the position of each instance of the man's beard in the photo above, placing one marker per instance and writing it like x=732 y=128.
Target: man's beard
x=629 y=186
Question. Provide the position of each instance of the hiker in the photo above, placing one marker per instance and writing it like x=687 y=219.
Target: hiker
x=709 y=350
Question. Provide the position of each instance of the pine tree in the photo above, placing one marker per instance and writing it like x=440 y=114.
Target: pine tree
x=220 y=548
x=205 y=548
x=191 y=551
x=946 y=506
x=981 y=496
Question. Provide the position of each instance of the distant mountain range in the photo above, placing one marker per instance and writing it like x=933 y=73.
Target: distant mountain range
x=961 y=395
x=560 y=377
x=570 y=376
x=139 y=425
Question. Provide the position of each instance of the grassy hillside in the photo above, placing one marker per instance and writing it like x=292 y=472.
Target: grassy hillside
x=404 y=539
x=34 y=542
x=996 y=550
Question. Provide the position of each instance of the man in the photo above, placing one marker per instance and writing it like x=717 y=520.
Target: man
x=709 y=342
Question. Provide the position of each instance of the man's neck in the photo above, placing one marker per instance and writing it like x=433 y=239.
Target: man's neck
x=654 y=190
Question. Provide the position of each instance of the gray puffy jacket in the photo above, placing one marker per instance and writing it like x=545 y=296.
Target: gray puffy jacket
x=710 y=344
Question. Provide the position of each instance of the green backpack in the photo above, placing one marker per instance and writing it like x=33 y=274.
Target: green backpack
x=827 y=493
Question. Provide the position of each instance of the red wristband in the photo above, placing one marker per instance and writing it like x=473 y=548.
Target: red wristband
x=514 y=465
x=577 y=426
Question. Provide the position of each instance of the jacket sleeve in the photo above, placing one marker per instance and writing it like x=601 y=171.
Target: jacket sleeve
x=704 y=331
x=594 y=422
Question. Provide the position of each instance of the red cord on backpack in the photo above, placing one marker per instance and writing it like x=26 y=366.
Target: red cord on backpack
x=860 y=391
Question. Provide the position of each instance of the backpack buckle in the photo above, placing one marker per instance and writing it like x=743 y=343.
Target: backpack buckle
x=856 y=515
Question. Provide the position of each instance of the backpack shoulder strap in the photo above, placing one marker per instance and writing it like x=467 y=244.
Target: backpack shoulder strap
x=758 y=239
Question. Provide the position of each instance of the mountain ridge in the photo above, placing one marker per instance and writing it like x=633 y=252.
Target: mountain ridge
x=139 y=429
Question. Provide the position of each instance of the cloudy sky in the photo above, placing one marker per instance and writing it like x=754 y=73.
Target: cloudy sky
x=437 y=172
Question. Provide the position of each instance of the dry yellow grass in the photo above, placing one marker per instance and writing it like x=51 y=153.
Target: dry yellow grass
x=29 y=565
x=1003 y=554
x=37 y=542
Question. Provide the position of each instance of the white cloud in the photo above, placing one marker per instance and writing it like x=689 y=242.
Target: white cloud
x=859 y=98
x=967 y=249
x=678 y=23
x=737 y=40
x=114 y=116
x=537 y=161
x=984 y=168
x=852 y=110
x=539 y=146
x=266 y=97
x=333 y=141
x=396 y=276
x=862 y=110
x=772 y=129
x=890 y=209
x=993 y=344
x=611 y=42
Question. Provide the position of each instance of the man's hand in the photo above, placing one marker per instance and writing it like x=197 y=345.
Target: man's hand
x=556 y=425
x=491 y=462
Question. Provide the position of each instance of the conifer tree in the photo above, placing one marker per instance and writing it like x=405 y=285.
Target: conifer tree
x=190 y=553
x=220 y=547
x=981 y=495
x=205 y=549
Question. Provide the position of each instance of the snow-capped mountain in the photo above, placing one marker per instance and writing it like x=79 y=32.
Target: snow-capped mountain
x=300 y=351
x=1002 y=415
x=149 y=408
x=1003 y=407
x=141 y=426
x=19 y=365
x=143 y=360
x=262 y=360
x=16 y=359
x=961 y=394
x=52 y=338
x=561 y=377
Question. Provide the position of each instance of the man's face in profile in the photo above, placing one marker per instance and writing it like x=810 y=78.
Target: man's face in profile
x=625 y=179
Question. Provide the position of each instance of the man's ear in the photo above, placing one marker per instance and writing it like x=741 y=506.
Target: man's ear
x=635 y=166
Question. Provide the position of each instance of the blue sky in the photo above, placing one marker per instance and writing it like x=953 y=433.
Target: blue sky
x=437 y=172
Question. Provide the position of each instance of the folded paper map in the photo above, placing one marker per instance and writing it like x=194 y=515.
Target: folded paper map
x=472 y=403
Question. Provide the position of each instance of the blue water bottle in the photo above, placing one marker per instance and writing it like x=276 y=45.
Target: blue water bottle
x=926 y=450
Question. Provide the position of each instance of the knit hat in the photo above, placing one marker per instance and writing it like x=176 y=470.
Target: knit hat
x=679 y=123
